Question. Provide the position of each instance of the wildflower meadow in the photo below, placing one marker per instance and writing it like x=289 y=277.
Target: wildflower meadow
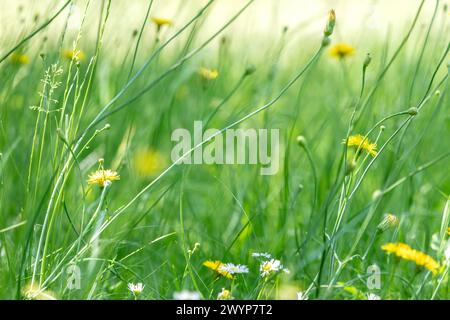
x=224 y=150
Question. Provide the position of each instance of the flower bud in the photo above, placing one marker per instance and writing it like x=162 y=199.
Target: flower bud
x=301 y=140
x=223 y=40
x=389 y=221
x=367 y=61
x=330 y=24
x=377 y=194
x=413 y=111
x=249 y=70
x=351 y=165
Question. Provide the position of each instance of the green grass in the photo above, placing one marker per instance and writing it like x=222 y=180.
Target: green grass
x=318 y=215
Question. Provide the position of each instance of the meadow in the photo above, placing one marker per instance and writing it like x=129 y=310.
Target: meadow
x=92 y=205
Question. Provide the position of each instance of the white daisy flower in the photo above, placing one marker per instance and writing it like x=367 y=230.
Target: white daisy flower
x=186 y=295
x=372 y=296
x=270 y=267
x=136 y=289
x=233 y=268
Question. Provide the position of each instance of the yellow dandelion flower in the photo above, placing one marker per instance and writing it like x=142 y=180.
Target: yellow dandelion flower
x=182 y=92
x=362 y=143
x=76 y=55
x=341 y=50
x=208 y=74
x=148 y=162
x=448 y=231
x=161 y=21
x=405 y=252
x=217 y=267
x=103 y=177
x=19 y=58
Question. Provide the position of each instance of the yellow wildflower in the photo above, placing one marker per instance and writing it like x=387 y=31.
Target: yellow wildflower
x=148 y=162
x=208 y=74
x=405 y=252
x=103 y=177
x=161 y=21
x=341 y=50
x=448 y=231
x=19 y=58
x=217 y=267
x=76 y=55
x=182 y=92
x=362 y=143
